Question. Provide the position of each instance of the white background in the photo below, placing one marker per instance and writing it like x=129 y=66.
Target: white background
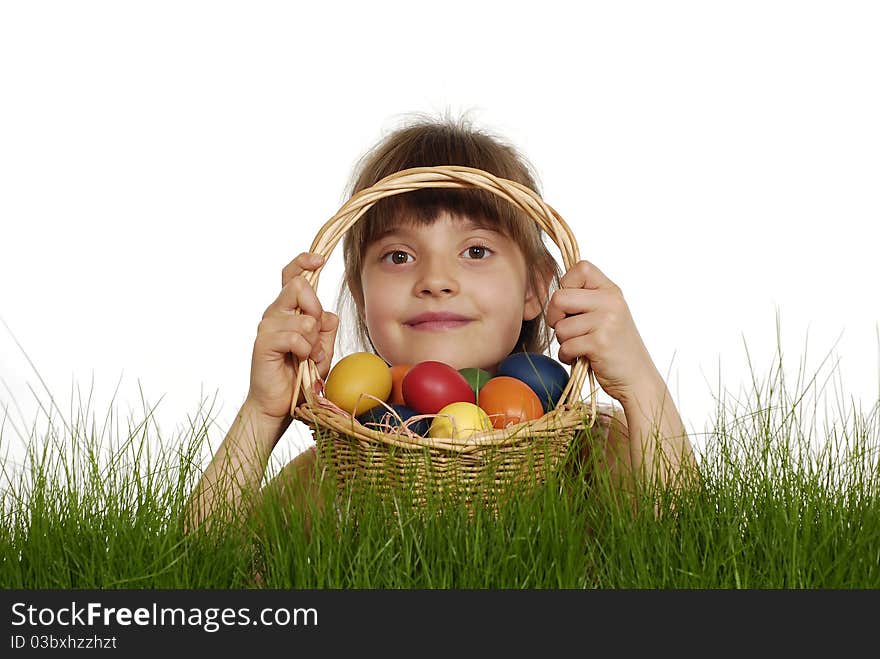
x=160 y=162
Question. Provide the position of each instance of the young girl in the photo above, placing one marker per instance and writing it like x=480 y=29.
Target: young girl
x=454 y=275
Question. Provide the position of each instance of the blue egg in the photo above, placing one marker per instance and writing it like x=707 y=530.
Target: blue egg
x=546 y=376
x=378 y=416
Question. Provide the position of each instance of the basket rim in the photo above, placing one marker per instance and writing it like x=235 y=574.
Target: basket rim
x=566 y=418
x=307 y=378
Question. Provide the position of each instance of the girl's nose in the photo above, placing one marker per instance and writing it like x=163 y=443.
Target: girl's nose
x=436 y=278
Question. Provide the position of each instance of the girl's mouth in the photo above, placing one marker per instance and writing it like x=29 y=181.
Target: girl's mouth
x=437 y=325
x=433 y=321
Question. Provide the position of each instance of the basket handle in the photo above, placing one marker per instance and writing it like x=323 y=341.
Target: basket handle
x=445 y=176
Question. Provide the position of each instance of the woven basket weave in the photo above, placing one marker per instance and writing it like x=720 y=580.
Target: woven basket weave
x=484 y=463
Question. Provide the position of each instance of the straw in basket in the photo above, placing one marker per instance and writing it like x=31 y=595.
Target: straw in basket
x=482 y=465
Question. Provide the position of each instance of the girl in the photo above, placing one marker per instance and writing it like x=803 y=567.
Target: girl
x=454 y=275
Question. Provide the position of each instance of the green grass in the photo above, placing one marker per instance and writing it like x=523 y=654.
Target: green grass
x=777 y=505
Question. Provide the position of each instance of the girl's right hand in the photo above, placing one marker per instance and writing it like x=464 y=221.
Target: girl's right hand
x=285 y=338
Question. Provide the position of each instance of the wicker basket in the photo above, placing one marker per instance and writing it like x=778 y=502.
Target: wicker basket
x=480 y=466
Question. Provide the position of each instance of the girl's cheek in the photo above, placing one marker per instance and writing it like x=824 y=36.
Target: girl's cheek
x=377 y=312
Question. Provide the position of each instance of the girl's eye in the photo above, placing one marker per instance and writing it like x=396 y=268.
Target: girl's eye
x=397 y=257
x=478 y=252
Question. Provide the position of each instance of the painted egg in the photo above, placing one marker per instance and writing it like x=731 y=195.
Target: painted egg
x=355 y=375
x=476 y=377
x=378 y=418
x=546 y=376
x=508 y=401
x=397 y=373
x=460 y=421
x=431 y=385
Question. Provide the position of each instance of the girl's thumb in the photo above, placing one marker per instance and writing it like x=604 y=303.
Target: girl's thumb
x=329 y=321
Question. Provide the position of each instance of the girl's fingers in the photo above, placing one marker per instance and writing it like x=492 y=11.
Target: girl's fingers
x=576 y=347
x=569 y=301
x=282 y=342
x=304 y=261
x=308 y=333
x=326 y=338
x=284 y=324
x=329 y=323
x=296 y=294
x=584 y=274
x=573 y=326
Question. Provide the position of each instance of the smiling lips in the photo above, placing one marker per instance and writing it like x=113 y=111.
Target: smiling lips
x=433 y=321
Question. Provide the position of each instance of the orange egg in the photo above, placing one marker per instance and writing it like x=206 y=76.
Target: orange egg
x=508 y=401
x=397 y=373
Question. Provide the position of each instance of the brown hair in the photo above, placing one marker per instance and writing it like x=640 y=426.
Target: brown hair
x=426 y=142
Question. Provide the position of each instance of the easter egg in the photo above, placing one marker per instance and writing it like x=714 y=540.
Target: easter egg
x=356 y=374
x=459 y=421
x=476 y=377
x=431 y=385
x=508 y=401
x=546 y=376
x=397 y=373
x=379 y=418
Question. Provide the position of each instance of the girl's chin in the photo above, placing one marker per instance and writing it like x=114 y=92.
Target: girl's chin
x=458 y=354
x=457 y=360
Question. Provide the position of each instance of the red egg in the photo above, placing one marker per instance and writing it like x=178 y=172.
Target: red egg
x=429 y=386
x=509 y=401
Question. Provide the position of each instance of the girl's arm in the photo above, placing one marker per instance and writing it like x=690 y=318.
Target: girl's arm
x=237 y=468
x=659 y=449
x=646 y=441
x=294 y=327
x=592 y=319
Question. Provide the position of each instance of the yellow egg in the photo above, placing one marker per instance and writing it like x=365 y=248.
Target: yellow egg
x=460 y=421
x=356 y=374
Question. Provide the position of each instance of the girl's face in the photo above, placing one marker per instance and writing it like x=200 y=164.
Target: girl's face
x=450 y=291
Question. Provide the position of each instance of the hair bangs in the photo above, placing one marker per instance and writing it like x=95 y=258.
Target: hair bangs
x=424 y=207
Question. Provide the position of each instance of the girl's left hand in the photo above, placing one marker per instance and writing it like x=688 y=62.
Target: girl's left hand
x=591 y=319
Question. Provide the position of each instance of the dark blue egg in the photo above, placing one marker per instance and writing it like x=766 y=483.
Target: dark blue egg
x=379 y=416
x=546 y=376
